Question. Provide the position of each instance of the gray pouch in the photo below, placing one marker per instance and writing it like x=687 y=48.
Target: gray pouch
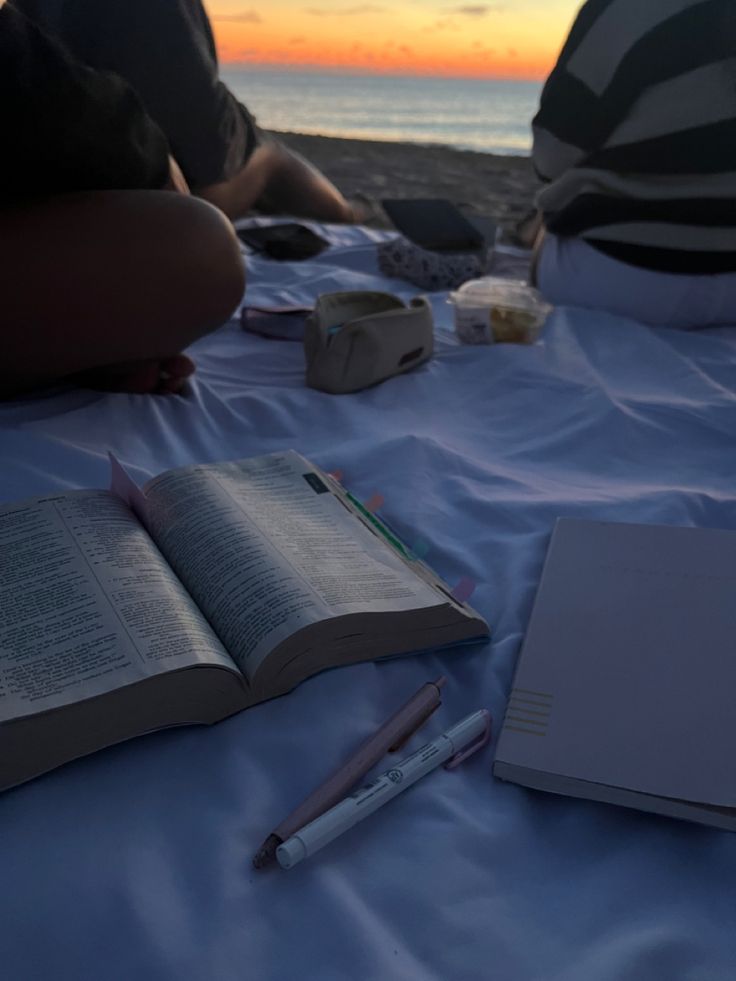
x=357 y=339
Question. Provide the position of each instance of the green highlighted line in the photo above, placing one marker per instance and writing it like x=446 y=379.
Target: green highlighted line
x=380 y=527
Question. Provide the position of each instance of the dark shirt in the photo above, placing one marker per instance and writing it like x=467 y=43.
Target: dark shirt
x=67 y=127
x=165 y=50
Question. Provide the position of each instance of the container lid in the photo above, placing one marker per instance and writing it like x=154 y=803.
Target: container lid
x=509 y=294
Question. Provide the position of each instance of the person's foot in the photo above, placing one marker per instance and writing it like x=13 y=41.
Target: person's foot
x=164 y=376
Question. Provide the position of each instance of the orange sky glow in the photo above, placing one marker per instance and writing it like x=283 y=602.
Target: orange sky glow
x=508 y=39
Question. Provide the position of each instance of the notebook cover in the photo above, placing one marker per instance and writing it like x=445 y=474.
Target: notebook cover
x=627 y=674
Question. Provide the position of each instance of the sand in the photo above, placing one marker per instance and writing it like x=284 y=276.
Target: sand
x=500 y=187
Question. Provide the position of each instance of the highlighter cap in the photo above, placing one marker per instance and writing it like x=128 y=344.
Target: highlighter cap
x=291 y=852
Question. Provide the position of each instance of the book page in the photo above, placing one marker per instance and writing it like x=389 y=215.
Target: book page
x=265 y=549
x=88 y=604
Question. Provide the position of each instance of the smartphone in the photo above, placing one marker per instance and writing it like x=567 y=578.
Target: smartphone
x=435 y=224
x=289 y=240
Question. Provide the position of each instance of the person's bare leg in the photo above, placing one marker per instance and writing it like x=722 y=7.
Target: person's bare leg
x=278 y=181
x=525 y=232
x=107 y=288
x=536 y=253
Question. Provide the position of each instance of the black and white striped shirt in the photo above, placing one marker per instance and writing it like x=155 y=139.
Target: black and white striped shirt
x=636 y=133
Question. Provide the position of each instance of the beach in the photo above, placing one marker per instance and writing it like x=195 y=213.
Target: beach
x=498 y=186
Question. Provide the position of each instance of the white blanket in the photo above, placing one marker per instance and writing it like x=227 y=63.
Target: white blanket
x=135 y=863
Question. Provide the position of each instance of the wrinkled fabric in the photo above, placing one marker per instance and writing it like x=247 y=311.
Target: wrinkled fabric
x=135 y=862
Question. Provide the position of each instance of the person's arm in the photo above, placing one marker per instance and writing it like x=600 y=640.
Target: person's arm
x=67 y=127
x=177 y=181
x=276 y=180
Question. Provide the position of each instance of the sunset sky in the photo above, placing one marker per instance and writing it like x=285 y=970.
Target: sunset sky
x=506 y=39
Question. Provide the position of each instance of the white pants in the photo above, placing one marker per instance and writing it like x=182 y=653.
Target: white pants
x=572 y=273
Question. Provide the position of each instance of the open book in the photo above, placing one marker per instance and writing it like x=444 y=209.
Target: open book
x=212 y=588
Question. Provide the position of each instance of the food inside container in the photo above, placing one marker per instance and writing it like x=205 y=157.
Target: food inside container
x=492 y=310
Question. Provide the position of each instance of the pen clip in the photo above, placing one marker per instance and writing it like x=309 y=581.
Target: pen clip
x=406 y=736
x=480 y=742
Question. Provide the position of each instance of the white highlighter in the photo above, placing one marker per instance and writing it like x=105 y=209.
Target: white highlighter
x=453 y=746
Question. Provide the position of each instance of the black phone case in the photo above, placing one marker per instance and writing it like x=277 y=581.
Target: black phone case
x=286 y=241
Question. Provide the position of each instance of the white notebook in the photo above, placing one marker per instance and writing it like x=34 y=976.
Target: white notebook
x=625 y=689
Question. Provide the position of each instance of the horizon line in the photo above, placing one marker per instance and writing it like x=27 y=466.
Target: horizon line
x=313 y=68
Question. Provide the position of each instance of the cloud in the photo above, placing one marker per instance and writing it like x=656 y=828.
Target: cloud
x=361 y=8
x=444 y=24
x=474 y=10
x=300 y=39
x=244 y=17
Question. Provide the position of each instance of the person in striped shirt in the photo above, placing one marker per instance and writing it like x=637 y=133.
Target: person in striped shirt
x=635 y=140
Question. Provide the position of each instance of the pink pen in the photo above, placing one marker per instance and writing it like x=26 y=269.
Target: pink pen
x=391 y=736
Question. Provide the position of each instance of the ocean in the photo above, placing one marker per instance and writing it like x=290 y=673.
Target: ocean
x=467 y=114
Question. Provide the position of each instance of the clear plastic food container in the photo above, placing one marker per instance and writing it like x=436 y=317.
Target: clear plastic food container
x=492 y=310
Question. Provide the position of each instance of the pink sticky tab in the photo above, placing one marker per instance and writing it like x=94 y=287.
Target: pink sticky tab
x=123 y=485
x=374 y=503
x=464 y=590
x=335 y=474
